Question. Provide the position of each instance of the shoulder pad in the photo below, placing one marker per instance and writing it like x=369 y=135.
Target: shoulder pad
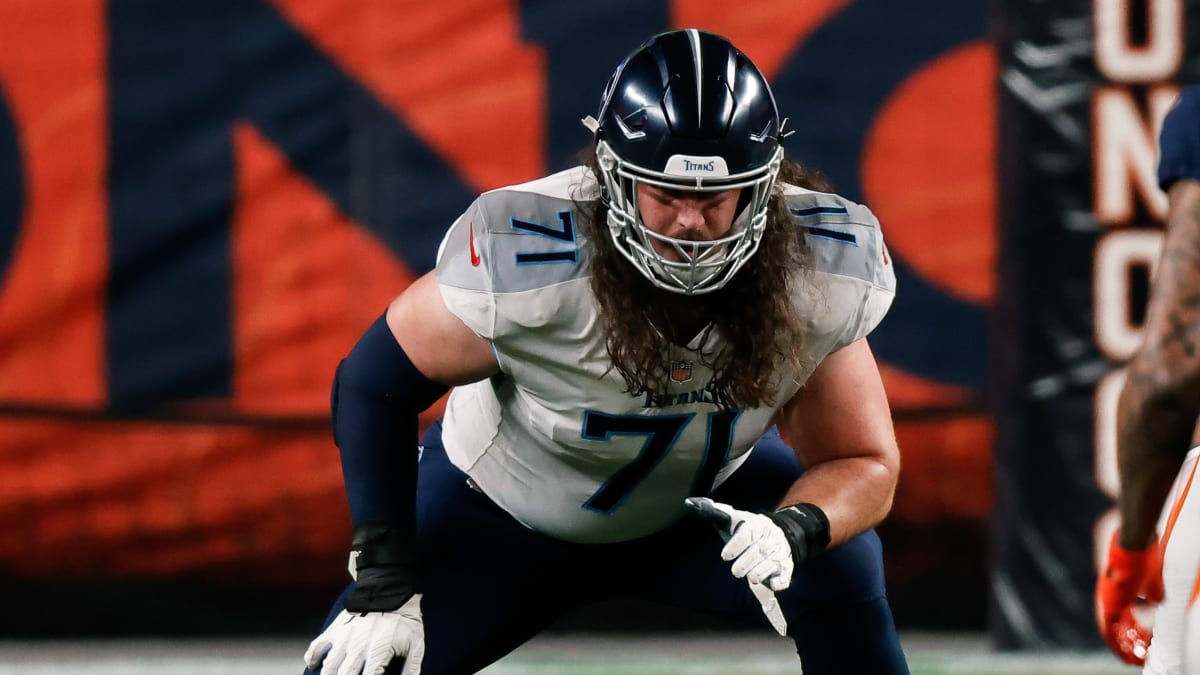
x=518 y=238
x=844 y=236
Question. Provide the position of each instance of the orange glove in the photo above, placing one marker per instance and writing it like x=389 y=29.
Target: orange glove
x=1127 y=576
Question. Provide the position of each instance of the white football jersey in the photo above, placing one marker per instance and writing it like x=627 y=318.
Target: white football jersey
x=556 y=439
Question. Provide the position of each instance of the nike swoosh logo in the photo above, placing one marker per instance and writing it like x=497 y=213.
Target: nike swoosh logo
x=475 y=259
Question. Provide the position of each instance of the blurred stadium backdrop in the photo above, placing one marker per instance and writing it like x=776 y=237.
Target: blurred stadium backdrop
x=204 y=202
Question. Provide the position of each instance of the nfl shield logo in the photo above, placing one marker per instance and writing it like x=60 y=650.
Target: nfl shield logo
x=681 y=371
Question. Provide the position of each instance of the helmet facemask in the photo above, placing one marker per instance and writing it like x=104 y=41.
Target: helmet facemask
x=702 y=266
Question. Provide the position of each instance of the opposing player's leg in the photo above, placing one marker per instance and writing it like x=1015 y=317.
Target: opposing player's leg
x=488 y=583
x=836 y=607
x=1181 y=560
x=1191 y=631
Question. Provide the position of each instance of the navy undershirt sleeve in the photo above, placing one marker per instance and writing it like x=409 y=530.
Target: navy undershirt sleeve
x=1179 y=142
x=377 y=395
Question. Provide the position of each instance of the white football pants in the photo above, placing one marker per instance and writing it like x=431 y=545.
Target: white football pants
x=1177 y=621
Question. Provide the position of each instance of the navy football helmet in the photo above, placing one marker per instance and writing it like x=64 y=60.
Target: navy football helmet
x=687 y=111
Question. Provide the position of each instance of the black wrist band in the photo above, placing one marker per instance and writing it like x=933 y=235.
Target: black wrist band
x=379 y=545
x=385 y=569
x=806 y=528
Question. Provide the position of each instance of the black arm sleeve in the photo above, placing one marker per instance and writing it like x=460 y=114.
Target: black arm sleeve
x=377 y=395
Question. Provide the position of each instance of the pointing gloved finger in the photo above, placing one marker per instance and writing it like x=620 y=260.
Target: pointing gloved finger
x=712 y=512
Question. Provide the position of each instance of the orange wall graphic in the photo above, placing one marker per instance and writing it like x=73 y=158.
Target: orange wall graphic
x=291 y=168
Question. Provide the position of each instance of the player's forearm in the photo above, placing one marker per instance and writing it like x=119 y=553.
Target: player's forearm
x=1161 y=399
x=1143 y=493
x=1158 y=416
x=855 y=493
x=377 y=395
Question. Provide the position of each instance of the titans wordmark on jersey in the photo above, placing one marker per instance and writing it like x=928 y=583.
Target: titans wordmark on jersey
x=556 y=439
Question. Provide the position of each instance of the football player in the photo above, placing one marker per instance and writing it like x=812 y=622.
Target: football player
x=621 y=338
x=1155 y=554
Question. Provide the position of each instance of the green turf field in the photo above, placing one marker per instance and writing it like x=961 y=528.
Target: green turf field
x=703 y=654
x=687 y=654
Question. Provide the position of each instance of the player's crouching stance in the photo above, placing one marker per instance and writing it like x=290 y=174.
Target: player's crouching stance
x=621 y=338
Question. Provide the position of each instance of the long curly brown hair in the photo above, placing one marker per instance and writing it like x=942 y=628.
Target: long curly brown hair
x=754 y=312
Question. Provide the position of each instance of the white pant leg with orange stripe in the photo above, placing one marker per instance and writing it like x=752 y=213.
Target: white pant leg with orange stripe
x=1179 y=533
x=1191 y=633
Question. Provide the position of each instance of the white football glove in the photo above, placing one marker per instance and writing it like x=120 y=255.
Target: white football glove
x=366 y=642
x=760 y=551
